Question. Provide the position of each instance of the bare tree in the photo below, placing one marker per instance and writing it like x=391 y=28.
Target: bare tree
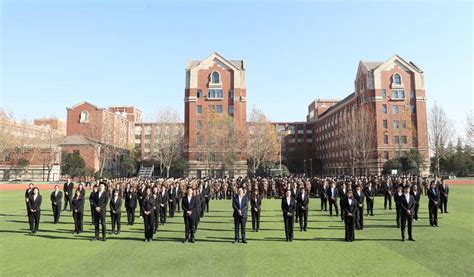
x=347 y=132
x=51 y=150
x=263 y=141
x=169 y=139
x=365 y=136
x=7 y=140
x=470 y=128
x=440 y=132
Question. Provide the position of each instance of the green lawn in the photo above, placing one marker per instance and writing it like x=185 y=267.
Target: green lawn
x=54 y=251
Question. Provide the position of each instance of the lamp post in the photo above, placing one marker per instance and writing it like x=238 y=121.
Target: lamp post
x=310 y=167
x=304 y=165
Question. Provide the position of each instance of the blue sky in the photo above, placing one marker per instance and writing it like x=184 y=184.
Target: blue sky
x=55 y=54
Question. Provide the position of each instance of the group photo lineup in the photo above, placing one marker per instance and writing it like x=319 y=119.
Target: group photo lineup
x=236 y=138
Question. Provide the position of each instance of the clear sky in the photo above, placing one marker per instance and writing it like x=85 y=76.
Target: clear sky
x=55 y=54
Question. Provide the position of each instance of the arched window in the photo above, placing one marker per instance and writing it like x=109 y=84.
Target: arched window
x=397 y=80
x=84 y=117
x=215 y=77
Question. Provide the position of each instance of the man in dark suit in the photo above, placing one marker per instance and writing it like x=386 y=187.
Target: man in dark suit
x=240 y=206
x=349 y=211
x=177 y=190
x=163 y=202
x=77 y=205
x=202 y=201
x=387 y=189
x=443 y=193
x=323 y=195
x=141 y=193
x=294 y=194
x=171 y=200
x=95 y=189
x=130 y=205
x=256 y=207
x=396 y=198
x=101 y=199
x=332 y=197
x=115 y=211
x=433 y=196
x=343 y=195
x=407 y=209
x=207 y=195
x=56 y=197
x=288 y=207
x=302 y=205
x=68 y=188
x=370 y=197
x=417 y=196
x=359 y=197
x=34 y=206
x=155 y=198
x=148 y=206
x=189 y=206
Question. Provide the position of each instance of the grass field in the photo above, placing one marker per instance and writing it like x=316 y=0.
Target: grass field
x=54 y=251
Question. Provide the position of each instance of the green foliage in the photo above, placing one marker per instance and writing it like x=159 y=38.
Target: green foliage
x=128 y=166
x=460 y=161
x=73 y=165
x=23 y=163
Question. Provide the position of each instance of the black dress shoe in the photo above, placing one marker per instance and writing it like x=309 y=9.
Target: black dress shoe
x=304 y=229
x=104 y=239
x=244 y=241
x=192 y=240
x=411 y=239
x=257 y=230
x=185 y=240
x=403 y=240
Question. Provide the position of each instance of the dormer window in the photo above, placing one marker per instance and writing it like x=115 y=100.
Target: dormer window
x=84 y=117
x=396 y=79
x=215 y=78
x=361 y=85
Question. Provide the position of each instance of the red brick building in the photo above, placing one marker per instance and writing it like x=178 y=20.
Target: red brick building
x=214 y=86
x=393 y=92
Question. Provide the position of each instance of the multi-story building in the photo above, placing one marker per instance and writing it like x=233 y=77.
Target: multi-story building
x=147 y=138
x=393 y=95
x=215 y=89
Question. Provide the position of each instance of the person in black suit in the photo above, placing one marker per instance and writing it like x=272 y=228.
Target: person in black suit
x=56 y=197
x=240 y=204
x=77 y=205
x=148 y=205
x=302 y=204
x=34 y=206
x=202 y=201
x=156 y=208
x=100 y=208
x=396 y=198
x=407 y=209
x=163 y=201
x=189 y=206
x=197 y=218
x=141 y=193
x=443 y=193
x=256 y=207
x=324 y=196
x=342 y=196
x=177 y=194
x=130 y=205
x=115 y=211
x=349 y=211
x=417 y=196
x=369 y=198
x=207 y=195
x=68 y=188
x=433 y=196
x=359 y=197
x=288 y=207
x=91 y=200
x=332 y=198
x=171 y=200
x=294 y=195
x=387 y=189
x=28 y=193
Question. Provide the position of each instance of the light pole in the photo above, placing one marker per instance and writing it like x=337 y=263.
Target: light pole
x=311 y=167
x=304 y=165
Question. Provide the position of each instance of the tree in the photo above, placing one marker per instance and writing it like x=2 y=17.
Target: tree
x=128 y=166
x=348 y=139
x=263 y=141
x=169 y=139
x=470 y=128
x=440 y=130
x=365 y=136
x=73 y=165
x=7 y=140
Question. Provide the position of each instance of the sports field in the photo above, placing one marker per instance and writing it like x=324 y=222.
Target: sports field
x=55 y=251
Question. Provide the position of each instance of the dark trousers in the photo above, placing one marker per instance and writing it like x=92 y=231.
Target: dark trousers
x=93 y=215
x=398 y=215
x=255 y=220
x=56 y=212
x=360 y=218
x=406 y=219
x=288 y=226
x=443 y=204
x=131 y=216
x=297 y=215
x=415 y=214
x=34 y=219
x=324 y=203
x=239 y=222
x=303 y=217
x=207 y=205
x=149 y=221
x=333 y=203
x=203 y=206
x=189 y=227
x=370 y=206
x=433 y=210
x=78 y=217
x=178 y=205
x=349 y=223
x=67 y=200
x=163 y=215
x=387 y=199
x=156 y=219
x=100 y=219
x=140 y=204
x=115 y=221
x=172 y=207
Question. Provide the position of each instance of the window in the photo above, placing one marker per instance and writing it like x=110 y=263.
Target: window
x=218 y=108
x=384 y=108
x=199 y=93
x=384 y=93
x=215 y=93
x=403 y=139
x=412 y=94
x=395 y=109
x=395 y=124
x=398 y=94
x=231 y=109
x=412 y=108
x=199 y=108
x=231 y=94
x=385 y=124
x=397 y=80
x=84 y=117
x=413 y=141
x=212 y=93
x=215 y=79
x=219 y=93
x=396 y=139
x=401 y=94
x=385 y=139
x=404 y=124
x=361 y=84
x=385 y=155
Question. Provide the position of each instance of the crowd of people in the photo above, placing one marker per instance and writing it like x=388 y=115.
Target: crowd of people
x=348 y=197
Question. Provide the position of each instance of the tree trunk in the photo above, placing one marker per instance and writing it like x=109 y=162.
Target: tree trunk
x=167 y=171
